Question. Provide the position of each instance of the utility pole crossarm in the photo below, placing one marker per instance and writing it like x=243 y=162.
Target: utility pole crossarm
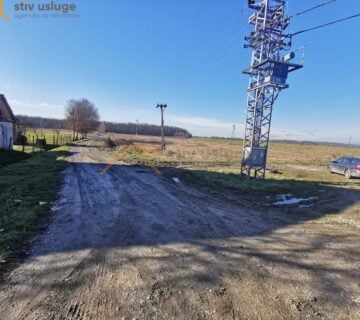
x=268 y=73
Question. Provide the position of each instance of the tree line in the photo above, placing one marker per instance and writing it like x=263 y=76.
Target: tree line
x=39 y=122
x=82 y=117
x=146 y=129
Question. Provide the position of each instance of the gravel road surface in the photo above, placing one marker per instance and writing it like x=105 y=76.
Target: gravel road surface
x=130 y=244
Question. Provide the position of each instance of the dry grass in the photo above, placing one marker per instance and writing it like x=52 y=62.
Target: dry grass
x=196 y=152
x=308 y=162
x=302 y=168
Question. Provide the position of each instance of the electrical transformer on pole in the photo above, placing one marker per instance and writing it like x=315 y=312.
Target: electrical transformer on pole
x=270 y=66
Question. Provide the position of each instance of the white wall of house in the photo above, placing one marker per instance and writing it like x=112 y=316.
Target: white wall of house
x=6 y=135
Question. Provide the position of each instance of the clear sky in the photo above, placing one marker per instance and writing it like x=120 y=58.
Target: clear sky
x=128 y=55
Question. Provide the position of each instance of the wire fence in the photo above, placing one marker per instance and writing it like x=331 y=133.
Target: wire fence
x=34 y=143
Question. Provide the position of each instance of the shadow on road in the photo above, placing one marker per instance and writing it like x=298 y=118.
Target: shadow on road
x=181 y=236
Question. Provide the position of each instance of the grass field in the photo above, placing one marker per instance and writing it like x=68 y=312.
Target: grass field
x=20 y=153
x=48 y=134
x=51 y=136
x=27 y=149
x=27 y=189
x=301 y=166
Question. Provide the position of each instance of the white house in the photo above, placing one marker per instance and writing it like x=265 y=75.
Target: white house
x=7 y=125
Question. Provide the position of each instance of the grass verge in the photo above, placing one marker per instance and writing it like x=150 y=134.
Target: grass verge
x=234 y=182
x=27 y=189
x=10 y=157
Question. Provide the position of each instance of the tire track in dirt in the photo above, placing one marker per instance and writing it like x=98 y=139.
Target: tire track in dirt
x=129 y=244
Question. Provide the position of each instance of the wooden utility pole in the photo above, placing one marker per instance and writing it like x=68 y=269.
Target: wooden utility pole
x=162 y=107
x=233 y=133
x=137 y=125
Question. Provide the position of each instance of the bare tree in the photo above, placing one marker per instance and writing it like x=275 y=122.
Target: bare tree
x=81 y=116
x=71 y=118
x=36 y=133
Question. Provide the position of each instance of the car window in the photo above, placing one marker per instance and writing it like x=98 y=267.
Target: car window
x=346 y=161
x=340 y=160
x=355 y=161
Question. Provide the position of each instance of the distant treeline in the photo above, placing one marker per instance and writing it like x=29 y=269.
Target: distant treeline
x=126 y=128
x=145 y=129
x=317 y=143
x=38 y=122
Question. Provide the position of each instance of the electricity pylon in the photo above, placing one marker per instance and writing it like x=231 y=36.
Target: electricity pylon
x=268 y=73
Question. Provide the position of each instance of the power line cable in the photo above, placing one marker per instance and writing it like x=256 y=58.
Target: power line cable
x=196 y=69
x=221 y=57
x=217 y=64
x=212 y=67
x=311 y=9
x=221 y=34
x=324 y=25
x=231 y=22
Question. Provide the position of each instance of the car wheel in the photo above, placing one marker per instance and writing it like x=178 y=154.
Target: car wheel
x=347 y=174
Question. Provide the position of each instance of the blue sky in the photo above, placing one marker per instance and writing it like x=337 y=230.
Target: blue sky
x=128 y=55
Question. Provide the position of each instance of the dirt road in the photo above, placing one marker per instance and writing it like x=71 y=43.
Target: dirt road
x=129 y=244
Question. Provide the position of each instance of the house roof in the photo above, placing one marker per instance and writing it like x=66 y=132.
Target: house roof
x=4 y=102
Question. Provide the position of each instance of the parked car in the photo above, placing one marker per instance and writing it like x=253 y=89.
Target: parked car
x=348 y=166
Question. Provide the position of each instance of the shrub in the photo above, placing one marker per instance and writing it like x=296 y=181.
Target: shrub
x=109 y=143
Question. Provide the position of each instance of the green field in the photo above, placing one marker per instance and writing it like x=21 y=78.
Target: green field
x=52 y=137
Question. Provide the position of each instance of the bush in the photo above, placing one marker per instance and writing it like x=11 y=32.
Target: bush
x=109 y=143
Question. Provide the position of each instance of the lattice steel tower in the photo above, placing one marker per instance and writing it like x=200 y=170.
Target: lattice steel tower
x=268 y=73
